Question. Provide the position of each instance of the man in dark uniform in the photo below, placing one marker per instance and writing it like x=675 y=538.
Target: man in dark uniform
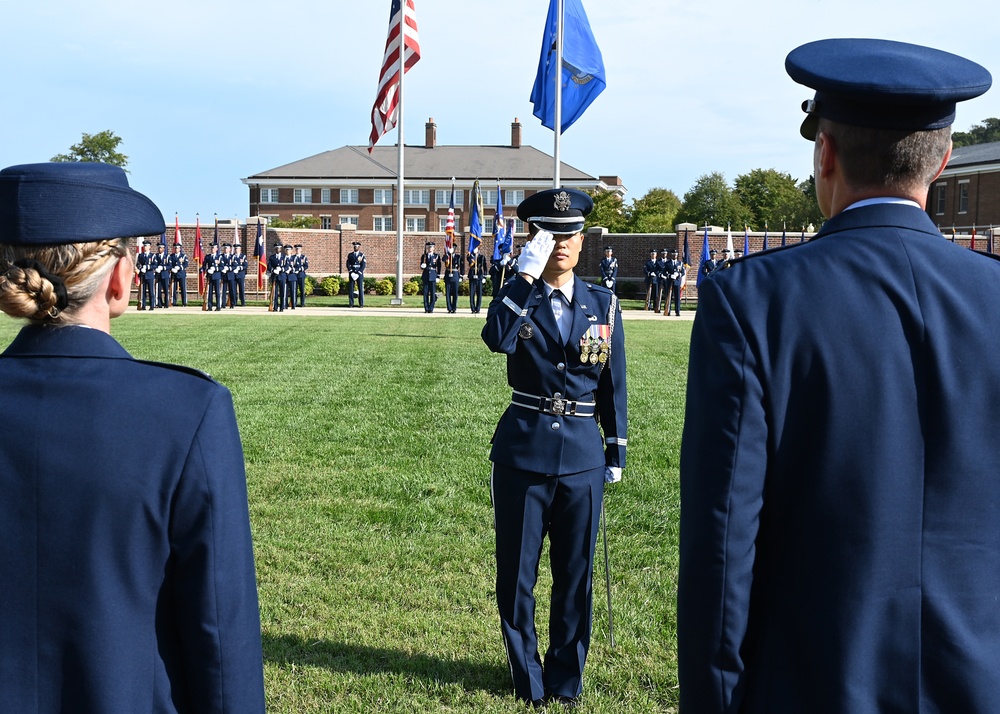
x=609 y=270
x=147 y=278
x=228 y=276
x=300 y=276
x=498 y=272
x=276 y=267
x=356 y=266
x=711 y=264
x=477 y=276
x=211 y=267
x=290 y=263
x=430 y=264
x=512 y=266
x=177 y=265
x=162 y=276
x=453 y=270
x=839 y=493
x=566 y=366
x=672 y=278
x=652 y=280
x=240 y=264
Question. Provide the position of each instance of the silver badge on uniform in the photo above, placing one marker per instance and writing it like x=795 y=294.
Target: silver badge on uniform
x=526 y=332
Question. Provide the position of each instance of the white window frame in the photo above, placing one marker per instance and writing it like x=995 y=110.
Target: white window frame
x=963 y=196
x=489 y=198
x=353 y=220
x=417 y=197
x=302 y=195
x=416 y=224
x=269 y=195
x=349 y=195
x=324 y=195
x=326 y=222
x=442 y=198
x=382 y=197
x=513 y=197
x=382 y=223
x=940 y=198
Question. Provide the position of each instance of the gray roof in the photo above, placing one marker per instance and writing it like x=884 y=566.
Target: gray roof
x=442 y=162
x=975 y=154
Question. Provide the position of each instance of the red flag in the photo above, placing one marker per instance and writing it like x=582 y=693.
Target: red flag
x=402 y=25
x=177 y=229
x=199 y=254
x=449 y=225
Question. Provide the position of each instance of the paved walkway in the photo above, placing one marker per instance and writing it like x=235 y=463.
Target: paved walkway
x=405 y=310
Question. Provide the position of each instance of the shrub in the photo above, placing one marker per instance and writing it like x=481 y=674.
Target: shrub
x=412 y=286
x=310 y=285
x=331 y=285
x=384 y=287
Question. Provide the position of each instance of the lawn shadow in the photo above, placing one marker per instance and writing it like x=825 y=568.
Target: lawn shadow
x=470 y=674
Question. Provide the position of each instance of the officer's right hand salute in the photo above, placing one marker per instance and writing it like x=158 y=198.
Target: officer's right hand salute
x=536 y=254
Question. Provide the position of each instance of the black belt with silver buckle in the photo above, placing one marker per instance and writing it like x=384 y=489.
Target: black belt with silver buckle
x=555 y=404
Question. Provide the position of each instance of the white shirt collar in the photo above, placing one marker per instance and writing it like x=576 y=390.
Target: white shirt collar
x=883 y=199
x=566 y=290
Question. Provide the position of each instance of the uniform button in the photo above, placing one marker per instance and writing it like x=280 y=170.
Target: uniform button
x=561 y=366
x=555 y=426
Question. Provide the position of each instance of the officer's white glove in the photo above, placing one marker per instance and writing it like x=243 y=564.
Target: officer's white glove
x=612 y=474
x=536 y=254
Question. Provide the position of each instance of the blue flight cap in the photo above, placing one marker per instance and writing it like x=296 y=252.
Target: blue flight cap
x=72 y=202
x=557 y=210
x=882 y=84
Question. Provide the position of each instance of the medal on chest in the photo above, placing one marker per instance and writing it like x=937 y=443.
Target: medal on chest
x=595 y=345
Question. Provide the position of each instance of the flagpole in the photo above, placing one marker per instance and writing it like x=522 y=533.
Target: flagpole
x=557 y=129
x=398 y=300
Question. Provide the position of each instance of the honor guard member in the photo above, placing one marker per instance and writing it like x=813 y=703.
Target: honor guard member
x=498 y=273
x=210 y=266
x=673 y=278
x=300 y=278
x=275 y=266
x=430 y=264
x=356 y=266
x=726 y=255
x=177 y=265
x=609 y=270
x=477 y=275
x=226 y=270
x=566 y=366
x=738 y=253
x=147 y=278
x=160 y=269
x=290 y=272
x=652 y=281
x=240 y=265
x=839 y=546
x=711 y=264
x=127 y=570
x=512 y=266
x=454 y=269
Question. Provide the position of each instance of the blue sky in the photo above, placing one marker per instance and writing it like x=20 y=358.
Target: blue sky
x=207 y=92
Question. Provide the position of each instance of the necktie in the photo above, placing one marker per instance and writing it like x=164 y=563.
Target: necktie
x=558 y=304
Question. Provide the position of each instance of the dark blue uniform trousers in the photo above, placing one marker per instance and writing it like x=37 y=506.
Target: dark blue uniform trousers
x=526 y=507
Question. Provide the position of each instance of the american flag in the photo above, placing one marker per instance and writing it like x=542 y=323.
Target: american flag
x=258 y=251
x=402 y=22
x=449 y=226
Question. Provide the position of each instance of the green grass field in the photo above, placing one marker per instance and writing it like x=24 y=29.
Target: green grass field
x=366 y=442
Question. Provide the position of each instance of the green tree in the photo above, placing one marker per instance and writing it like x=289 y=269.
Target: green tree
x=773 y=199
x=711 y=200
x=655 y=212
x=986 y=132
x=296 y=222
x=96 y=147
x=609 y=212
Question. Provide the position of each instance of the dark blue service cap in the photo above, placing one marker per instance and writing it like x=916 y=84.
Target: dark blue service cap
x=557 y=210
x=72 y=202
x=883 y=84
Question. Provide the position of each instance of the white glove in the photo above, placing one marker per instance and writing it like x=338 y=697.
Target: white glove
x=612 y=474
x=536 y=254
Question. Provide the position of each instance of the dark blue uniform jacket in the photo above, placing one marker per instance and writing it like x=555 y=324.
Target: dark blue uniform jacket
x=840 y=477
x=126 y=567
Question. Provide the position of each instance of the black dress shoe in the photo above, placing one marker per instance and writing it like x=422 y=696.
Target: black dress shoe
x=567 y=702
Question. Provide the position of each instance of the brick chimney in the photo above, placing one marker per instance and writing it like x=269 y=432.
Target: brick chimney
x=515 y=134
x=430 y=134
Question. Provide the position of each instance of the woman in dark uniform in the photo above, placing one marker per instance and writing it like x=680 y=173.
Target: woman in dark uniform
x=126 y=572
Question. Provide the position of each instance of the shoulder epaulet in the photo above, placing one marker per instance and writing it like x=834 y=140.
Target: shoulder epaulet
x=988 y=255
x=599 y=288
x=734 y=261
x=178 y=368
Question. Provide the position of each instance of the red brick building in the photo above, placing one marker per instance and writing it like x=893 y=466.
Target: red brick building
x=967 y=194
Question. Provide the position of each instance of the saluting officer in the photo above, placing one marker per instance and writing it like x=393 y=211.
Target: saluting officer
x=177 y=265
x=609 y=270
x=300 y=275
x=276 y=267
x=240 y=264
x=147 y=278
x=454 y=268
x=652 y=281
x=430 y=264
x=566 y=366
x=356 y=266
x=477 y=275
